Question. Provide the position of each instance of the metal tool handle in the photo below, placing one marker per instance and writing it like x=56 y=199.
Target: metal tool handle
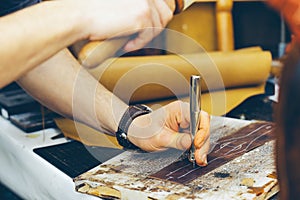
x=195 y=108
x=195 y=94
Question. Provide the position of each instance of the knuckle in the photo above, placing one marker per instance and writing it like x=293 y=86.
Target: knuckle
x=205 y=114
x=178 y=103
x=144 y=11
x=168 y=16
x=160 y=140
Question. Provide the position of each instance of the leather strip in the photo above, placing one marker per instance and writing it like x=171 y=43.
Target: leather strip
x=226 y=149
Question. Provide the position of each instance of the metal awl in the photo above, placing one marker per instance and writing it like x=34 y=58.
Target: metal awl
x=195 y=108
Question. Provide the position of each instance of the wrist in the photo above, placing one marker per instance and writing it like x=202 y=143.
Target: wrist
x=131 y=113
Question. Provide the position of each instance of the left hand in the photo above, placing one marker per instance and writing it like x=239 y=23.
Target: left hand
x=145 y=18
x=160 y=130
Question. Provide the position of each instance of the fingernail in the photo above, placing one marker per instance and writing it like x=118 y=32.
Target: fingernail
x=204 y=159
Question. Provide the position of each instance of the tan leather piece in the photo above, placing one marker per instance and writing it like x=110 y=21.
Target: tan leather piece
x=97 y=51
x=219 y=103
x=85 y=134
x=148 y=78
x=198 y=22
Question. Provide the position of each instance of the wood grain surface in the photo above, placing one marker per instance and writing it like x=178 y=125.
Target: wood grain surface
x=250 y=176
x=226 y=149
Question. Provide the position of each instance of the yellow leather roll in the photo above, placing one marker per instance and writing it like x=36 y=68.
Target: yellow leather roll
x=218 y=103
x=148 y=78
x=85 y=134
x=197 y=22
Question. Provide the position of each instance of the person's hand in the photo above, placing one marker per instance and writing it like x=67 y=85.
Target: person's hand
x=168 y=127
x=106 y=19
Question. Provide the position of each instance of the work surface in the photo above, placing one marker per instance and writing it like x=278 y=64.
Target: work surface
x=22 y=167
x=28 y=174
x=36 y=177
x=131 y=175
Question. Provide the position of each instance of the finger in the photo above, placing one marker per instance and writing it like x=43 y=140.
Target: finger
x=184 y=122
x=176 y=140
x=161 y=14
x=140 y=41
x=183 y=141
x=201 y=154
x=165 y=11
x=203 y=132
x=147 y=33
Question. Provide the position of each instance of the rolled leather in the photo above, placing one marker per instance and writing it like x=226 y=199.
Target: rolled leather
x=148 y=78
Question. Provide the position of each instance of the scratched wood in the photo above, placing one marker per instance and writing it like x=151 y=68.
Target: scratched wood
x=226 y=149
x=250 y=175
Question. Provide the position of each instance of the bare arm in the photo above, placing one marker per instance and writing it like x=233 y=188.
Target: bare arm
x=32 y=35
x=64 y=86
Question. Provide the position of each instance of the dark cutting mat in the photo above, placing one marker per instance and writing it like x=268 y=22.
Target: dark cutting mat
x=16 y=102
x=34 y=121
x=73 y=158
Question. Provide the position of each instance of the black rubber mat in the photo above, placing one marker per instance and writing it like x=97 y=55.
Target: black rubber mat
x=34 y=121
x=74 y=158
x=16 y=102
x=258 y=107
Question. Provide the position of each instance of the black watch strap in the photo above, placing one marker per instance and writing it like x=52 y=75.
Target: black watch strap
x=130 y=114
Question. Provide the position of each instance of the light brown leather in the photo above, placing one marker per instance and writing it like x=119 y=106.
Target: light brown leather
x=147 y=78
x=85 y=134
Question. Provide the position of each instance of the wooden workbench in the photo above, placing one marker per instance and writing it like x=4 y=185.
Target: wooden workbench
x=128 y=176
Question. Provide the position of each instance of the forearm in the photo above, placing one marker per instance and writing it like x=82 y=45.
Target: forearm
x=64 y=86
x=30 y=36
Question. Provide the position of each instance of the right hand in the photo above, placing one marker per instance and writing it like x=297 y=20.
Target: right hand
x=168 y=127
x=106 y=19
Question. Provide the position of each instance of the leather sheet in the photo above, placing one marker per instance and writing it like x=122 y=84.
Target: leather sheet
x=226 y=149
x=148 y=78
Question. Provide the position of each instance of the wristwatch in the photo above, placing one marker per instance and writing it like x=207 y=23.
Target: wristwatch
x=130 y=114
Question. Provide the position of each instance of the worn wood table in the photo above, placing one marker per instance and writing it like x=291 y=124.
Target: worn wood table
x=249 y=175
